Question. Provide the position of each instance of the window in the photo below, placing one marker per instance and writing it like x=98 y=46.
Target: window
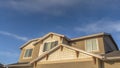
x=91 y=45
x=28 y=52
x=49 y=45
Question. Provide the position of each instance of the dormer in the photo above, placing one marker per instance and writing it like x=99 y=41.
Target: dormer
x=27 y=51
x=51 y=40
x=100 y=43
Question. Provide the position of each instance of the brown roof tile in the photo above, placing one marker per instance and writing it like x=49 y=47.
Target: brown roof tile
x=113 y=54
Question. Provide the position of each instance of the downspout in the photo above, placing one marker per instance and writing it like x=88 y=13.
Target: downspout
x=101 y=63
x=34 y=65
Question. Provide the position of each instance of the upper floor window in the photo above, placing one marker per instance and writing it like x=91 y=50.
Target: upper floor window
x=49 y=45
x=28 y=53
x=91 y=45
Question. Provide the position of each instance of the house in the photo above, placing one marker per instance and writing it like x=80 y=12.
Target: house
x=1 y=65
x=57 y=51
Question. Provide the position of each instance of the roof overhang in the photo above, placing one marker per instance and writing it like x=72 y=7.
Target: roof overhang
x=51 y=33
x=18 y=65
x=67 y=46
x=89 y=36
x=96 y=35
x=111 y=59
x=28 y=43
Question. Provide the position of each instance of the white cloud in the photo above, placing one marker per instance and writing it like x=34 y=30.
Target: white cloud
x=44 y=6
x=99 y=26
x=58 y=7
x=14 y=35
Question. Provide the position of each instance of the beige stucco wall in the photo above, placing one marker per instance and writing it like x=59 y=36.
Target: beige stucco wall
x=80 y=64
x=81 y=44
x=34 y=53
x=38 y=48
x=73 y=64
x=65 y=54
x=49 y=39
x=112 y=64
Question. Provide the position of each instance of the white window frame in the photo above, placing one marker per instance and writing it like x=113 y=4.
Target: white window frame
x=25 y=52
x=91 y=46
x=48 y=42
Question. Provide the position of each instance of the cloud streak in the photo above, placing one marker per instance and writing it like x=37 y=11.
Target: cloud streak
x=100 y=26
x=58 y=7
x=13 y=35
x=55 y=7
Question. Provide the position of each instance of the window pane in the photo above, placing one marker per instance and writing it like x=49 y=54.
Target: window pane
x=53 y=44
x=28 y=53
x=91 y=45
x=94 y=44
x=45 y=47
x=88 y=45
x=49 y=46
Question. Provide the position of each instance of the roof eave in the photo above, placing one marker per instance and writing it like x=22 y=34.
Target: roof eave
x=28 y=43
x=89 y=36
x=112 y=59
x=18 y=65
x=90 y=54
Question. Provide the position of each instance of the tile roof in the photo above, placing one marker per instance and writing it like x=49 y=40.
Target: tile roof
x=113 y=54
x=22 y=64
x=19 y=63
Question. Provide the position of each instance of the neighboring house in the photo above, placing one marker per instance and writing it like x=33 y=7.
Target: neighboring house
x=57 y=51
x=1 y=65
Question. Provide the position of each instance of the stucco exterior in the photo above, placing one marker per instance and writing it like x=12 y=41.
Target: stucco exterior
x=65 y=54
x=81 y=44
x=112 y=64
x=69 y=53
x=34 y=54
x=73 y=64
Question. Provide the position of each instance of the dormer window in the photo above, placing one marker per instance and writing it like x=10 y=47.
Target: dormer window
x=91 y=45
x=49 y=45
x=28 y=53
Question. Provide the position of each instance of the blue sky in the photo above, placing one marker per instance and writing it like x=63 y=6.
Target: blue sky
x=22 y=20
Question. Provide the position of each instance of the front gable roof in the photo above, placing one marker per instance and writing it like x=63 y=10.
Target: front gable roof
x=67 y=46
x=42 y=38
x=73 y=39
x=28 y=43
x=51 y=33
x=90 y=36
x=19 y=64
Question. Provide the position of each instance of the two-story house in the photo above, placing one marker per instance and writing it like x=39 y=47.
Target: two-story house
x=57 y=51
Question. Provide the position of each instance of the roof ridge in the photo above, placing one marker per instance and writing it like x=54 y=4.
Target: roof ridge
x=91 y=35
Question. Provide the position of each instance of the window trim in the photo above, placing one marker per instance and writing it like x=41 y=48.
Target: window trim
x=96 y=44
x=25 y=52
x=48 y=42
